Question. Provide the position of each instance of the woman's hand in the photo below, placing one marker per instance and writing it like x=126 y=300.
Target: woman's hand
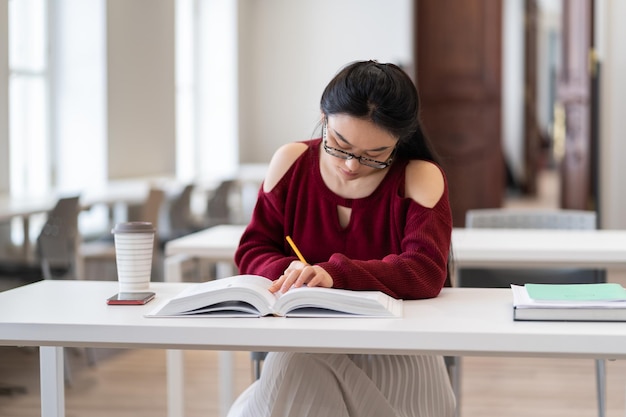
x=299 y=274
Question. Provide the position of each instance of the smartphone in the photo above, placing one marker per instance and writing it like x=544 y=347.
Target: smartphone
x=130 y=298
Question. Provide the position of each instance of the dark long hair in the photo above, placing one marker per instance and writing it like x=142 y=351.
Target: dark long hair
x=385 y=95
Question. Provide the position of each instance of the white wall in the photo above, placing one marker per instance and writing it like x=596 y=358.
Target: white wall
x=141 y=88
x=289 y=51
x=4 y=96
x=611 y=33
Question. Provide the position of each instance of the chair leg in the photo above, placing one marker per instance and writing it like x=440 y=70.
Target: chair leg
x=67 y=368
x=257 y=361
x=601 y=385
x=92 y=359
x=45 y=269
x=453 y=365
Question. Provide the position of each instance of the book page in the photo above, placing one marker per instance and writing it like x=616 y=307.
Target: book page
x=247 y=294
x=311 y=301
x=223 y=283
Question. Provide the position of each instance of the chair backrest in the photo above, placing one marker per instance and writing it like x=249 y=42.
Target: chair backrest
x=531 y=219
x=180 y=211
x=57 y=241
x=528 y=219
x=218 y=204
x=150 y=209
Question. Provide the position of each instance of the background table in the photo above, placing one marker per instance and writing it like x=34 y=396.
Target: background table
x=24 y=208
x=460 y=322
x=602 y=249
x=487 y=248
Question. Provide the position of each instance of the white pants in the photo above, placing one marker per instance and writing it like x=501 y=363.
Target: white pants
x=305 y=384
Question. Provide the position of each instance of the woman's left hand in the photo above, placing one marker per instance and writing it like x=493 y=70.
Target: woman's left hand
x=299 y=274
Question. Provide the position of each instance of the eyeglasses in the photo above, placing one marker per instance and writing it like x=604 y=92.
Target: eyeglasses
x=368 y=162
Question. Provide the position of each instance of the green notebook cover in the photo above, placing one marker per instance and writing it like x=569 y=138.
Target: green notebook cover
x=576 y=292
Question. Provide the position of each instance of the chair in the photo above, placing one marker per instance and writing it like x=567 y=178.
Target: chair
x=56 y=252
x=257 y=363
x=502 y=278
x=218 y=204
x=179 y=214
x=150 y=209
x=57 y=241
x=103 y=250
x=219 y=210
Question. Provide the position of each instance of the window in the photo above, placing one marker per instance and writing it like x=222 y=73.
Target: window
x=57 y=98
x=206 y=89
x=29 y=95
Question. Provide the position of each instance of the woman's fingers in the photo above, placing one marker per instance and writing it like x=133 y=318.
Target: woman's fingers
x=312 y=276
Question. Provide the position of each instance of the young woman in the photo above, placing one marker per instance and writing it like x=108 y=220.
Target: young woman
x=367 y=205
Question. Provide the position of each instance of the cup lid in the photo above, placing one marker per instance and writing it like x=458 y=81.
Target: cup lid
x=133 y=227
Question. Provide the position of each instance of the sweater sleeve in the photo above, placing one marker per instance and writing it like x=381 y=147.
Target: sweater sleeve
x=262 y=249
x=418 y=271
x=411 y=264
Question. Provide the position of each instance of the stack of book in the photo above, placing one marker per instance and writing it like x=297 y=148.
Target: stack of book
x=569 y=302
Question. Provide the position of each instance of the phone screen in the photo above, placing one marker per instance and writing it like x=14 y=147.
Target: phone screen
x=130 y=298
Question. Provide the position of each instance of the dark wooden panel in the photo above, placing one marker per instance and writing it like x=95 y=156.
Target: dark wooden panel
x=533 y=150
x=458 y=56
x=457 y=49
x=470 y=156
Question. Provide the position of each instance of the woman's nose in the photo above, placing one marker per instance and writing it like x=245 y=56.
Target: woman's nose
x=352 y=164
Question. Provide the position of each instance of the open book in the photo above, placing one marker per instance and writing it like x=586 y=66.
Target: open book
x=249 y=295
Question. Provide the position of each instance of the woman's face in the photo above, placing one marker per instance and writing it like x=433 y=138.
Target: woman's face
x=347 y=138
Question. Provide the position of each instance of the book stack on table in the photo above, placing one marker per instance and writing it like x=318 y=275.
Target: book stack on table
x=569 y=302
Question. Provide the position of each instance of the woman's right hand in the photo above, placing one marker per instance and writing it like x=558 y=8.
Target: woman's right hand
x=298 y=274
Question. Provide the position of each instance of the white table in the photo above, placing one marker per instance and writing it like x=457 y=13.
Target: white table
x=122 y=193
x=216 y=245
x=460 y=322
x=495 y=248
x=24 y=208
x=604 y=249
x=11 y=206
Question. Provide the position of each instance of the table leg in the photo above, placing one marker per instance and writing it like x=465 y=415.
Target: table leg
x=225 y=371
x=226 y=359
x=51 y=376
x=175 y=383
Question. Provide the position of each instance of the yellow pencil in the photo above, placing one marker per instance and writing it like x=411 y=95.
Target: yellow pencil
x=295 y=249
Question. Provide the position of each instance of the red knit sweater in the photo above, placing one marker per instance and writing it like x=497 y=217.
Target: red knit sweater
x=391 y=244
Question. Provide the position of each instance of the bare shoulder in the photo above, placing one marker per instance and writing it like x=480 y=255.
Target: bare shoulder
x=282 y=160
x=424 y=182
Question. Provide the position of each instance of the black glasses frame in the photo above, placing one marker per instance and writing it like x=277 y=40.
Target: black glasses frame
x=368 y=162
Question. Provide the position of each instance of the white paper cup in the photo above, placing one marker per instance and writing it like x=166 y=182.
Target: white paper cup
x=134 y=246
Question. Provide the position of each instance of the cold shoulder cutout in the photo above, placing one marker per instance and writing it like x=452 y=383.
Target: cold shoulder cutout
x=424 y=183
x=409 y=259
x=282 y=160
